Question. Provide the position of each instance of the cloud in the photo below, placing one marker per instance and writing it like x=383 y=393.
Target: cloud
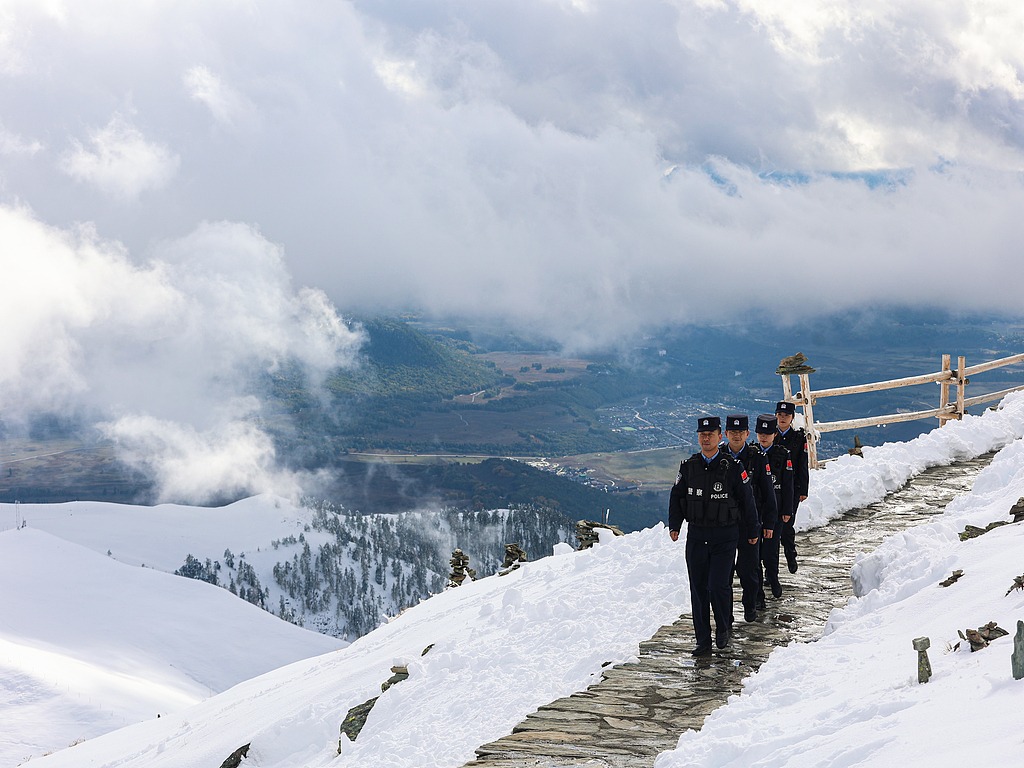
x=121 y=162
x=59 y=288
x=161 y=355
x=225 y=104
x=200 y=467
x=13 y=144
x=512 y=162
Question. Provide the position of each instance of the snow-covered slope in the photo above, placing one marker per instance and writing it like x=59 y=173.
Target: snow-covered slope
x=502 y=646
x=336 y=572
x=89 y=644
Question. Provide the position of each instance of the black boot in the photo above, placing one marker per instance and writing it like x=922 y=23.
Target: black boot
x=722 y=638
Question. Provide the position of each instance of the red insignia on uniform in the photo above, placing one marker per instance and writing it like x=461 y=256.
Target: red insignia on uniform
x=743 y=475
x=789 y=463
x=767 y=467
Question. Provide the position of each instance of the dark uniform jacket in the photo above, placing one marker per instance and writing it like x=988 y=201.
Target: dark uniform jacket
x=756 y=463
x=795 y=441
x=781 y=468
x=712 y=495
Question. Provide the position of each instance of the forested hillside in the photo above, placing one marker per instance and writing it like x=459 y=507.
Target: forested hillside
x=345 y=573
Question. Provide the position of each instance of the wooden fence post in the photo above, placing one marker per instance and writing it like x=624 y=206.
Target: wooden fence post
x=812 y=436
x=961 y=385
x=944 y=393
x=787 y=388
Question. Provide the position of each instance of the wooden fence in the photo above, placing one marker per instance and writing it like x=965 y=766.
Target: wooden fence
x=948 y=409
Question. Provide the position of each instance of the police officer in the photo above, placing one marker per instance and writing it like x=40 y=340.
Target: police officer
x=748 y=556
x=795 y=441
x=781 y=468
x=712 y=494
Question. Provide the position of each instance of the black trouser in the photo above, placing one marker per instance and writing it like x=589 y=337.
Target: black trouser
x=710 y=557
x=789 y=533
x=770 y=559
x=748 y=568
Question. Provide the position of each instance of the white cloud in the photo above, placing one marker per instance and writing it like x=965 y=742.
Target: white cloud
x=167 y=348
x=120 y=161
x=511 y=163
x=13 y=144
x=225 y=104
x=400 y=76
x=11 y=61
x=58 y=286
x=234 y=459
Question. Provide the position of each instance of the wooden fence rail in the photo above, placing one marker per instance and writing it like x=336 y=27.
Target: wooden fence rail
x=946 y=377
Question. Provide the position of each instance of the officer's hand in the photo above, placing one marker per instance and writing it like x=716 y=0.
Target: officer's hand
x=785 y=518
x=767 y=533
x=674 y=535
x=751 y=541
x=803 y=498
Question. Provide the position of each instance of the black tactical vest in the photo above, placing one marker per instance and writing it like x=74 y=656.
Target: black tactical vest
x=709 y=502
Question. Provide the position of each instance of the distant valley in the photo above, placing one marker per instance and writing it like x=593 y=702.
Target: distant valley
x=434 y=410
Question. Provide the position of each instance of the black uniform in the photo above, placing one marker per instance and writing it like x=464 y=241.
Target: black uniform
x=795 y=441
x=715 y=500
x=781 y=468
x=748 y=556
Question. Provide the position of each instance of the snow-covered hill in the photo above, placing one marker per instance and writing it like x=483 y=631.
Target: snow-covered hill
x=502 y=646
x=335 y=572
x=89 y=644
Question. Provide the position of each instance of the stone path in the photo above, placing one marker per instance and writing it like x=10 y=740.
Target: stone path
x=639 y=709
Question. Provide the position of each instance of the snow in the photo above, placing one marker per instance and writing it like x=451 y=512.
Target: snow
x=157 y=536
x=502 y=646
x=88 y=644
x=261 y=532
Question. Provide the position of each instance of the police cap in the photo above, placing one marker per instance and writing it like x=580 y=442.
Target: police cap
x=709 y=424
x=766 y=424
x=737 y=422
x=784 y=406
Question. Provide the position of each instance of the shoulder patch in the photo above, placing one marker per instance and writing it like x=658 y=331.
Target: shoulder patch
x=789 y=463
x=743 y=475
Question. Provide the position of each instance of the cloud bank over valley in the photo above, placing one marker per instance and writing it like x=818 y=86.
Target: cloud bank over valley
x=160 y=355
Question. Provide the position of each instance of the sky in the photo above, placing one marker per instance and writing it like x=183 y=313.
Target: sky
x=191 y=190
x=850 y=698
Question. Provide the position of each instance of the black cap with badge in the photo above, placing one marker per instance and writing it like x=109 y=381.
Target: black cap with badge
x=709 y=424
x=737 y=422
x=766 y=424
x=784 y=406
